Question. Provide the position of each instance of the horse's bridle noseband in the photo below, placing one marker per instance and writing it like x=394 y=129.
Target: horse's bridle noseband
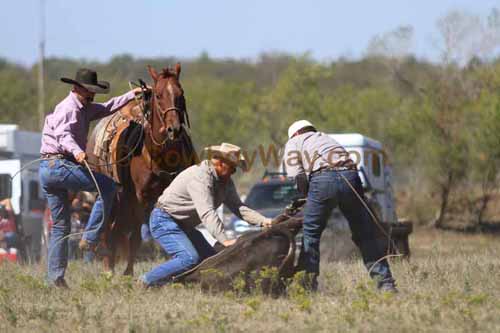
x=162 y=113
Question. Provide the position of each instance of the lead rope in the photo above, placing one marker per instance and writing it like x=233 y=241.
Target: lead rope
x=375 y=220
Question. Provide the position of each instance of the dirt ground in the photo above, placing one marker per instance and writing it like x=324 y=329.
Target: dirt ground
x=449 y=284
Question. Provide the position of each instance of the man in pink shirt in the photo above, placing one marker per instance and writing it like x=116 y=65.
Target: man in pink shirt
x=64 y=139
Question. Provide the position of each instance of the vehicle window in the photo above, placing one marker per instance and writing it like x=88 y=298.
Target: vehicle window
x=264 y=196
x=376 y=164
x=33 y=190
x=4 y=186
x=34 y=200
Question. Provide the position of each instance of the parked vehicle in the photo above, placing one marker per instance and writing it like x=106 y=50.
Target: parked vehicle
x=274 y=191
x=17 y=149
x=269 y=197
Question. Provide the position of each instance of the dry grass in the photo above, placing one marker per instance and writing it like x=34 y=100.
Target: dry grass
x=450 y=284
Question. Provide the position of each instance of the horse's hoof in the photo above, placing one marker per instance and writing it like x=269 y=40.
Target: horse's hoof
x=128 y=272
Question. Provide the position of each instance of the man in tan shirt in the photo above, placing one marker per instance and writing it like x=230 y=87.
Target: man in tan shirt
x=192 y=198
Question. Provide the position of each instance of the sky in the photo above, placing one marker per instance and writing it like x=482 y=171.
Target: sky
x=100 y=29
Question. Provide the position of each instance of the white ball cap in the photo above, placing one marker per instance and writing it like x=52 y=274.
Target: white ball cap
x=296 y=126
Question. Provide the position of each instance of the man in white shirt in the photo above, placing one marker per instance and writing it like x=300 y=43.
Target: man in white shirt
x=323 y=169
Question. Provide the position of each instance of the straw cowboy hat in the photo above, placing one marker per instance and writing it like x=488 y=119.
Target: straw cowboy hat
x=228 y=153
x=87 y=79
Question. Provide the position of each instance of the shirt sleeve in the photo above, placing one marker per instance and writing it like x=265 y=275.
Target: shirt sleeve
x=233 y=202
x=101 y=110
x=201 y=194
x=64 y=132
x=292 y=159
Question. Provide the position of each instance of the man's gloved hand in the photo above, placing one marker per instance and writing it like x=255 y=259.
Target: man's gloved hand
x=139 y=90
x=267 y=223
x=295 y=206
x=229 y=242
x=302 y=181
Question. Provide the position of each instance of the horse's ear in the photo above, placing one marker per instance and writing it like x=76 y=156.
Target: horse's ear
x=153 y=73
x=178 y=70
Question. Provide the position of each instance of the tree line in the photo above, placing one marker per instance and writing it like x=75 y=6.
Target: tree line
x=439 y=121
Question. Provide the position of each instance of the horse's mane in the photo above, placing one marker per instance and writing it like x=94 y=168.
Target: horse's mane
x=167 y=72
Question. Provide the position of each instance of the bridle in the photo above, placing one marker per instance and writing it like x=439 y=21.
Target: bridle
x=161 y=114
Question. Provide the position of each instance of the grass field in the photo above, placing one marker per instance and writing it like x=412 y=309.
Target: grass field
x=450 y=284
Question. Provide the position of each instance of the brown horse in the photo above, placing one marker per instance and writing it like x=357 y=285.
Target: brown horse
x=146 y=146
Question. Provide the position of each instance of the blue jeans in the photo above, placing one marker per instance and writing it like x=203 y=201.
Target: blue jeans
x=10 y=238
x=88 y=256
x=57 y=177
x=185 y=247
x=145 y=233
x=328 y=190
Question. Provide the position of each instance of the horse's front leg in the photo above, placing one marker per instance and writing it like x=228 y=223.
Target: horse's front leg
x=146 y=188
x=109 y=242
x=109 y=259
x=134 y=245
x=135 y=220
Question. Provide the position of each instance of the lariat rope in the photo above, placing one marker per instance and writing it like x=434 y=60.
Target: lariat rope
x=76 y=166
x=87 y=165
x=374 y=219
x=86 y=231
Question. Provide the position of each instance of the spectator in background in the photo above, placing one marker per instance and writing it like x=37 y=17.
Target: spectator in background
x=8 y=237
x=81 y=205
x=77 y=227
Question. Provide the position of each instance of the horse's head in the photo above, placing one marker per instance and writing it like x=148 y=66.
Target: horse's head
x=169 y=106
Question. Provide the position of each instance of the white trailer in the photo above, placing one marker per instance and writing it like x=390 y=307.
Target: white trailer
x=374 y=170
x=376 y=176
x=17 y=149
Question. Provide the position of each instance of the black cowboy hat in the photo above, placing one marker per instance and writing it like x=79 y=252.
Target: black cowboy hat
x=87 y=79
